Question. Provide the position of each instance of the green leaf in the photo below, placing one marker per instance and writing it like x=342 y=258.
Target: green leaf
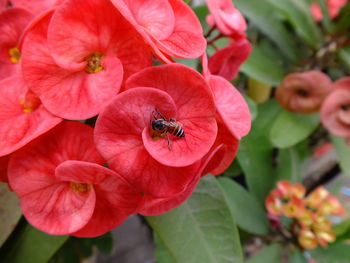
x=342 y=230
x=297 y=257
x=247 y=211
x=263 y=67
x=269 y=254
x=201 y=13
x=343 y=21
x=252 y=107
x=255 y=154
x=10 y=212
x=337 y=253
x=326 y=21
x=162 y=255
x=291 y=128
x=30 y=245
x=344 y=55
x=343 y=154
x=262 y=15
x=104 y=243
x=297 y=12
x=289 y=165
x=202 y=229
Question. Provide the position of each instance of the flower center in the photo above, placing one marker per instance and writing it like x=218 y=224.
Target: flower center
x=15 y=54
x=302 y=93
x=79 y=188
x=30 y=102
x=345 y=107
x=94 y=63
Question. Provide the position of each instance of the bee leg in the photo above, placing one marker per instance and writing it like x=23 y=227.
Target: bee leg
x=154 y=116
x=167 y=137
x=161 y=115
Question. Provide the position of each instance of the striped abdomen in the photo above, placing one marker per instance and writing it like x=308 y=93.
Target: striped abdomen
x=176 y=130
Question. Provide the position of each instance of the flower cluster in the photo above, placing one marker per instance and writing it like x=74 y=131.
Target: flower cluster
x=313 y=91
x=309 y=213
x=146 y=135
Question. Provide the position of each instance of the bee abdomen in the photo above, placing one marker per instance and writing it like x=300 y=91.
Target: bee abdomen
x=179 y=132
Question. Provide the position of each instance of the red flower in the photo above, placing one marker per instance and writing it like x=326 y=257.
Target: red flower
x=12 y=24
x=233 y=117
x=22 y=116
x=62 y=187
x=36 y=6
x=335 y=111
x=169 y=26
x=334 y=7
x=226 y=61
x=303 y=92
x=125 y=138
x=226 y=18
x=80 y=66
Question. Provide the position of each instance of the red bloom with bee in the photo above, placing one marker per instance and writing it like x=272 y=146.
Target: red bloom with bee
x=156 y=132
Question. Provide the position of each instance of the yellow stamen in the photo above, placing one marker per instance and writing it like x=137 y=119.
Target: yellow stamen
x=15 y=55
x=79 y=188
x=30 y=102
x=94 y=63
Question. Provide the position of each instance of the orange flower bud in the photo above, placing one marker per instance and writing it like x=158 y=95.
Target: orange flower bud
x=294 y=208
x=325 y=237
x=331 y=206
x=290 y=190
x=306 y=219
x=273 y=205
x=307 y=239
x=317 y=197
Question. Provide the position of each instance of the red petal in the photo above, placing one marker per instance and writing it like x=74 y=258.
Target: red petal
x=227 y=18
x=226 y=61
x=187 y=40
x=231 y=106
x=154 y=206
x=17 y=127
x=56 y=209
x=115 y=198
x=3 y=168
x=36 y=6
x=222 y=153
x=155 y=16
x=332 y=107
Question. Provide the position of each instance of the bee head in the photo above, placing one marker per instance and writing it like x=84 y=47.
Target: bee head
x=158 y=125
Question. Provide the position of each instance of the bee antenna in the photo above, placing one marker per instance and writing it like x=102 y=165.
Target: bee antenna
x=161 y=115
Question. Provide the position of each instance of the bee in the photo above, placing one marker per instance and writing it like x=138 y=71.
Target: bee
x=161 y=127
